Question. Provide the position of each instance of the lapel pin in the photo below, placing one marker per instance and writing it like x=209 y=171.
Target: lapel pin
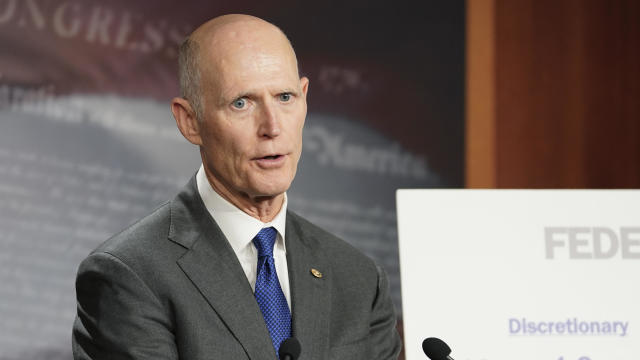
x=316 y=273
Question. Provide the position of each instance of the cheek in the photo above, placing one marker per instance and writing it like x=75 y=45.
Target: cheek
x=297 y=140
x=298 y=119
x=238 y=151
x=300 y=133
x=221 y=150
x=225 y=141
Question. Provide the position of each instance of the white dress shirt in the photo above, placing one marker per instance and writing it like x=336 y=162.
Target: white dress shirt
x=240 y=228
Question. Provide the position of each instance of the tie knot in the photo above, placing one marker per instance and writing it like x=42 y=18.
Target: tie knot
x=264 y=241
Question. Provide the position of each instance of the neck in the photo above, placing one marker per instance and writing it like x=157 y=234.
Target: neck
x=263 y=208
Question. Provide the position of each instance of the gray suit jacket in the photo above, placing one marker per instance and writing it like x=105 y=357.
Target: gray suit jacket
x=171 y=287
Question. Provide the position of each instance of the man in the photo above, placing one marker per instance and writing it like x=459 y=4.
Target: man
x=224 y=271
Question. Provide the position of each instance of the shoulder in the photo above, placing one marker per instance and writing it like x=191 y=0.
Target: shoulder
x=139 y=257
x=145 y=231
x=143 y=246
x=150 y=235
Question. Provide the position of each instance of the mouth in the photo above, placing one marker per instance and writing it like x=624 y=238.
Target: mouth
x=270 y=157
x=270 y=161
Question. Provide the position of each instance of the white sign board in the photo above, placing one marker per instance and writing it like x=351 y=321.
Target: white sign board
x=521 y=274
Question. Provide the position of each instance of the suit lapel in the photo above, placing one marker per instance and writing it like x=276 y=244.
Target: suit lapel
x=214 y=269
x=310 y=294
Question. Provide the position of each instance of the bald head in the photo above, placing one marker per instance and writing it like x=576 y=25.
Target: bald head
x=244 y=104
x=223 y=40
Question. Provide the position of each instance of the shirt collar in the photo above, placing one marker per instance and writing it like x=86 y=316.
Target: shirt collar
x=238 y=226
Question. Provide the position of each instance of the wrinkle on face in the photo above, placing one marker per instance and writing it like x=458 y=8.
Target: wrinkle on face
x=248 y=58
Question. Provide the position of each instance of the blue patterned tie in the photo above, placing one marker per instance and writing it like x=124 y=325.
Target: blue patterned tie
x=268 y=293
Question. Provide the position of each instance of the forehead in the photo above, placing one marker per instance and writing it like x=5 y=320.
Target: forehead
x=236 y=60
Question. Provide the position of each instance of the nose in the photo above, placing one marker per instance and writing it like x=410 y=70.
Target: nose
x=269 y=121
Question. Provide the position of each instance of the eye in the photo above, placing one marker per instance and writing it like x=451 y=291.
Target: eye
x=285 y=97
x=239 y=103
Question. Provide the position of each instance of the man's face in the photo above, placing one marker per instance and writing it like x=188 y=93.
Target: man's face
x=254 y=112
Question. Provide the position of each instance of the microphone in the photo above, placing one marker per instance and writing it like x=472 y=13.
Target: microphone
x=289 y=349
x=436 y=349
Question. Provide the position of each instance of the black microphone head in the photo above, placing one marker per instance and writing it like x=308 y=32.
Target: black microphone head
x=290 y=347
x=435 y=348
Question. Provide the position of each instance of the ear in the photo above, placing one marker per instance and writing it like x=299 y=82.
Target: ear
x=304 y=85
x=186 y=120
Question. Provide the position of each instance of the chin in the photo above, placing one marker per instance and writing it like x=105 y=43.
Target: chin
x=271 y=189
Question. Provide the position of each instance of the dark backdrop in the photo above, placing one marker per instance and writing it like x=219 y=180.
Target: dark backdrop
x=88 y=144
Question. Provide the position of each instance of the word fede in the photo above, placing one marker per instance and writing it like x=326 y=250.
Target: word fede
x=593 y=242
